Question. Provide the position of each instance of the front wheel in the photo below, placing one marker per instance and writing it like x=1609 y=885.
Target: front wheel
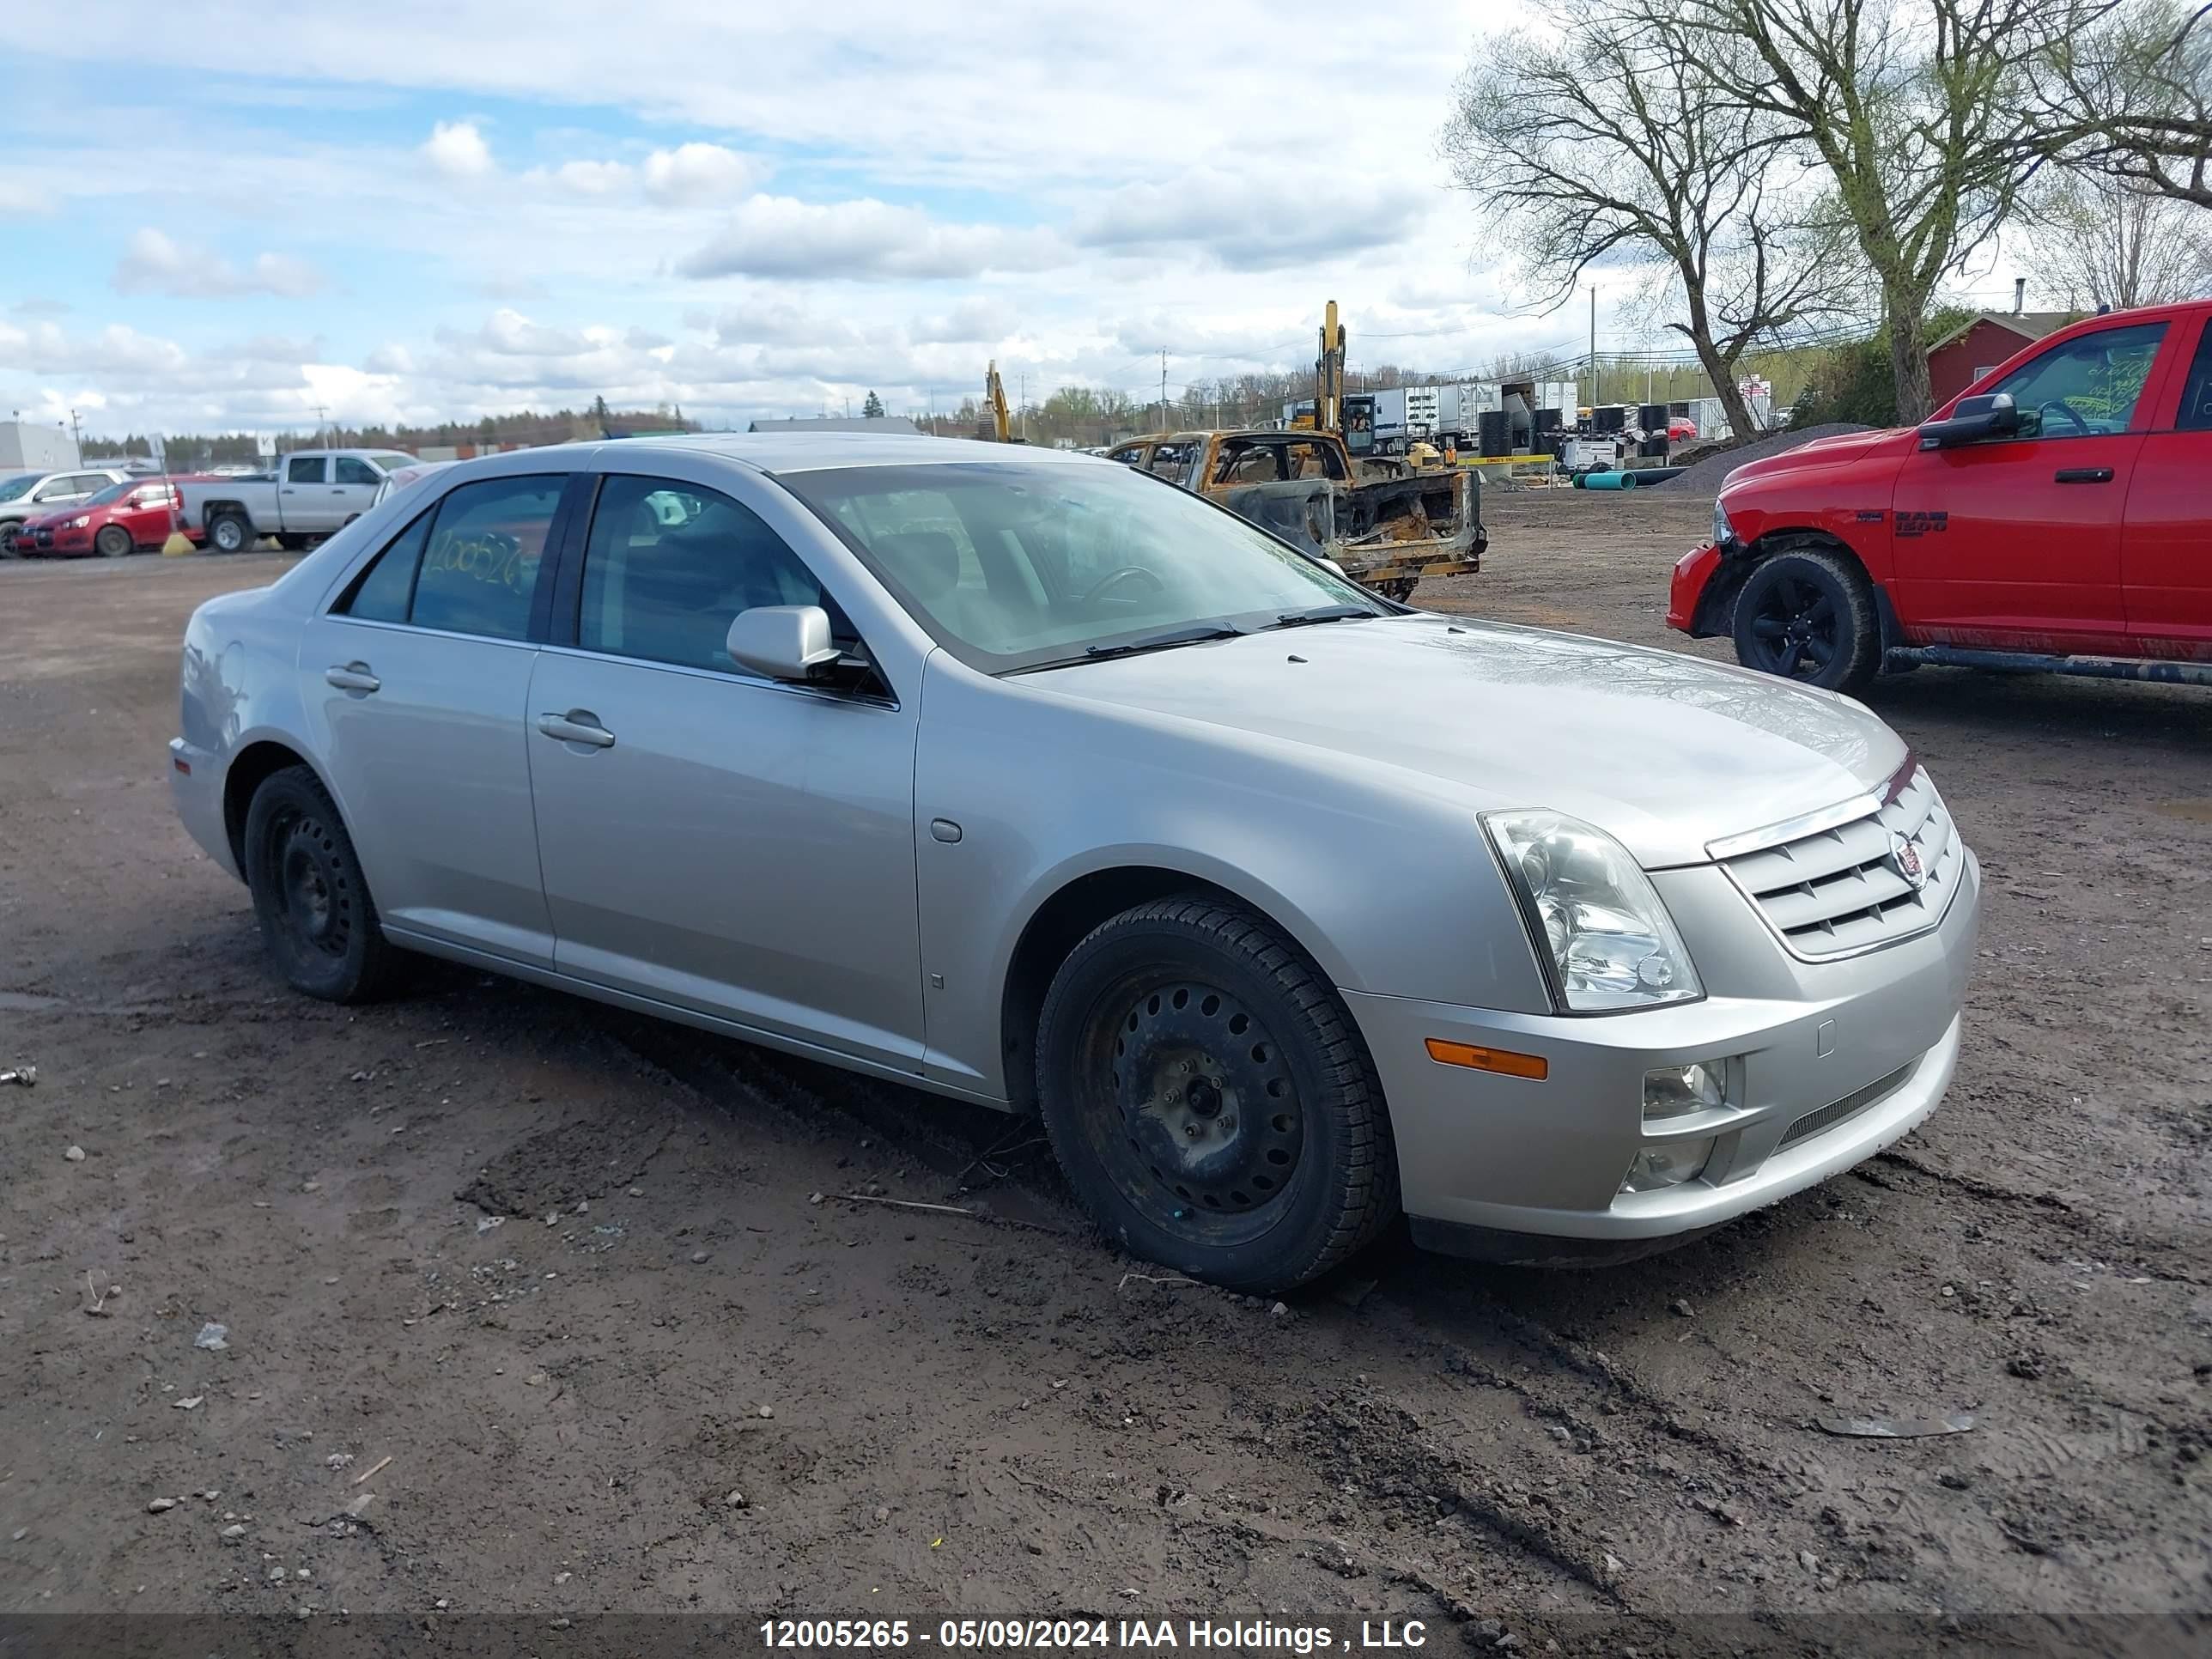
x=1210 y=1099
x=318 y=921
x=114 y=543
x=1806 y=614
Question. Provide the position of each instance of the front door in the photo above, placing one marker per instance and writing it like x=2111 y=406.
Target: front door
x=710 y=839
x=2015 y=543
x=417 y=683
x=2165 y=554
x=353 y=488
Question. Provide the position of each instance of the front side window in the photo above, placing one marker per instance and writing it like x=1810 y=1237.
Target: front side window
x=61 y=489
x=669 y=565
x=2195 y=414
x=1173 y=461
x=1022 y=564
x=486 y=546
x=2086 y=387
x=352 y=469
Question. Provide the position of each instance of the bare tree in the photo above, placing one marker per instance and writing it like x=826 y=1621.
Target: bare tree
x=1921 y=112
x=2134 y=98
x=1615 y=145
x=2102 y=240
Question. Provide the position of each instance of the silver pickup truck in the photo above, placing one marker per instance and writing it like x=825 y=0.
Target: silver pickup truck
x=310 y=493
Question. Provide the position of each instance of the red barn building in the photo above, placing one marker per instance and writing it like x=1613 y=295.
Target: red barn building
x=1966 y=353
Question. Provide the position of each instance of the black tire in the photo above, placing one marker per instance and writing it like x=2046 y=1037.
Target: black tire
x=228 y=532
x=293 y=543
x=114 y=541
x=318 y=923
x=1806 y=614
x=9 y=532
x=1161 y=1029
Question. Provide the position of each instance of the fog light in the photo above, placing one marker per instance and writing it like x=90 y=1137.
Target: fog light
x=1676 y=1091
x=1670 y=1165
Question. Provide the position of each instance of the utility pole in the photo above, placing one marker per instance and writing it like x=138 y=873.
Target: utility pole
x=1022 y=382
x=321 y=413
x=1163 y=389
x=1593 y=345
x=77 y=436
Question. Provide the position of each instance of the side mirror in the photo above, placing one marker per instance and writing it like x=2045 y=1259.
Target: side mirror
x=1991 y=416
x=782 y=641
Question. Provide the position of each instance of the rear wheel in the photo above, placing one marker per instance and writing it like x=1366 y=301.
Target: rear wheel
x=230 y=534
x=318 y=921
x=1806 y=614
x=114 y=543
x=1210 y=1099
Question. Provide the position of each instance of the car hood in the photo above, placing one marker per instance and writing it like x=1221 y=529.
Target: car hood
x=1837 y=451
x=1665 y=753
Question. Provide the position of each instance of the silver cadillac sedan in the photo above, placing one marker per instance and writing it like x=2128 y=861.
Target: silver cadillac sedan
x=1025 y=777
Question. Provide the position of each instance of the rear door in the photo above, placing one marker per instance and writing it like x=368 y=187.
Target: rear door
x=146 y=512
x=416 y=680
x=303 y=495
x=2166 y=551
x=2014 y=543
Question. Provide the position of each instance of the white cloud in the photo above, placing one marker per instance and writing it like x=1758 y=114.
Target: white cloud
x=1262 y=219
x=592 y=178
x=984 y=317
x=697 y=173
x=457 y=149
x=781 y=236
x=152 y=264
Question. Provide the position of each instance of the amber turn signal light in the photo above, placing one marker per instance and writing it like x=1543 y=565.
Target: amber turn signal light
x=1535 y=1067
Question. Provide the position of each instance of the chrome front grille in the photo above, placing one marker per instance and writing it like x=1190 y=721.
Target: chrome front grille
x=1846 y=889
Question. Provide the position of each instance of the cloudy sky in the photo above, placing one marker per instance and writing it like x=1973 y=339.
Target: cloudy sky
x=220 y=216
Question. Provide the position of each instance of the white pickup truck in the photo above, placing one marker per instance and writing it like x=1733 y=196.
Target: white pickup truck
x=311 y=493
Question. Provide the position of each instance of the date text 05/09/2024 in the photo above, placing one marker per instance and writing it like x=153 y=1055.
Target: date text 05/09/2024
x=1143 y=1635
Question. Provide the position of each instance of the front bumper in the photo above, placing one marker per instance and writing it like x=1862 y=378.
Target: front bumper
x=1873 y=1036
x=1686 y=587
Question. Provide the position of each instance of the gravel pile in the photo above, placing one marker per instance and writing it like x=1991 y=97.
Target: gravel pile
x=1705 y=478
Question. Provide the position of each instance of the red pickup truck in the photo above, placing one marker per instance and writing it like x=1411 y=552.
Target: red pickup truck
x=2056 y=516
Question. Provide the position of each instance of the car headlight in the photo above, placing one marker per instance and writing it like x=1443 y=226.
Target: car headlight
x=78 y=522
x=1594 y=915
x=1723 y=532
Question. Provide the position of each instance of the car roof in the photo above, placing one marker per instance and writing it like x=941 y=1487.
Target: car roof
x=787 y=452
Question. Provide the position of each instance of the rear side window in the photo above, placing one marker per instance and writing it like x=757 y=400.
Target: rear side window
x=670 y=564
x=382 y=591
x=2197 y=391
x=305 y=469
x=486 y=546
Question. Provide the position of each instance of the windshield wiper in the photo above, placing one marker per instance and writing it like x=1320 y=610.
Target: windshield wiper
x=1162 y=642
x=1326 y=613
x=1197 y=636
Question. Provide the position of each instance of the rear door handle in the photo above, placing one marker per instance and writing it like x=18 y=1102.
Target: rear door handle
x=353 y=676
x=577 y=726
x=2084 y=474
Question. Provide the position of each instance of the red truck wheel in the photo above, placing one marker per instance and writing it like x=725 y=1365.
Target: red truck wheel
x=1808 y=615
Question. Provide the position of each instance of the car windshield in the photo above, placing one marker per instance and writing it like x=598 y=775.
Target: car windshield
x=113 y=493
x=1013 y=565
x=19 y=486
x=392 y=462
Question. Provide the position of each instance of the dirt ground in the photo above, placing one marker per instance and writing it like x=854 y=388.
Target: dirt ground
x=552 y=1283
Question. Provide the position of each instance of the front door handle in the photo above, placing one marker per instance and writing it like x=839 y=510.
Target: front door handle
x=353 y=676
x=2084 y=474
x=577 y=726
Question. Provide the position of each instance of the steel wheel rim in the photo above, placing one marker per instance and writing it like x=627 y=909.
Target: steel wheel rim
x=1794 y=630
x=1194 y=1109
x=314 y=900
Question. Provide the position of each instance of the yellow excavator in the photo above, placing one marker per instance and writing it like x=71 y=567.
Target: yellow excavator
x=1001 y=424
